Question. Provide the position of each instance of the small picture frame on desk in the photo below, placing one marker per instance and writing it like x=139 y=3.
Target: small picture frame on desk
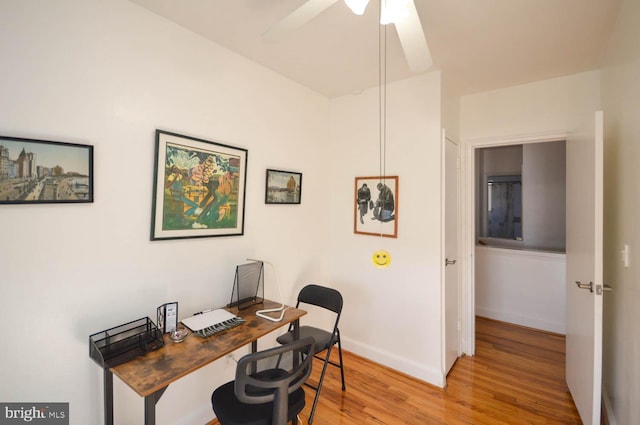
x=168 y=317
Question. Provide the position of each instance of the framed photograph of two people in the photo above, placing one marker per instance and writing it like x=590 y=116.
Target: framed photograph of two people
x=376 y=206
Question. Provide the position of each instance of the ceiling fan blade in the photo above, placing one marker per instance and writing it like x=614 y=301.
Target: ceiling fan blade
x=413 y=40
x=309 y=10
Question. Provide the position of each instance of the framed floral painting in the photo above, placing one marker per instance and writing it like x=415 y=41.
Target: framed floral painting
x=199 y=188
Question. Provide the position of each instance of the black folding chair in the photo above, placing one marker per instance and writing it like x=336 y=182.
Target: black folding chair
x=329 y=299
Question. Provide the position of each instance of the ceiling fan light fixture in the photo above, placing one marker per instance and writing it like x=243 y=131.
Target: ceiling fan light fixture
x=357 y=6
x=393 y=11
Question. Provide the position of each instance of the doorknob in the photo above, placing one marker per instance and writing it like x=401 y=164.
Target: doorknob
x=448 y=262
x=588 y=286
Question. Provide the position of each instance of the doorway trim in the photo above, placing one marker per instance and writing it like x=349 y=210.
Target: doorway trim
x=467 y=250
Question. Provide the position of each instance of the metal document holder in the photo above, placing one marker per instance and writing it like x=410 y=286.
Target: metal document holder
x=122 y=343
x=248 y=285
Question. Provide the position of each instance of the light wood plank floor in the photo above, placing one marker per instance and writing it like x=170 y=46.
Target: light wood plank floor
x=516 y=377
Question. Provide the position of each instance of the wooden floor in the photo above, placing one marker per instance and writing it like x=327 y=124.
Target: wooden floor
x=516 y=377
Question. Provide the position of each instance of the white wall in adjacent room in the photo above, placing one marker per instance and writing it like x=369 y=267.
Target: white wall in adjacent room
x=544 y=195
x=522 y=287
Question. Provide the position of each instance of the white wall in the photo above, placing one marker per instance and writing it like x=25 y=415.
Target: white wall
x=521 y=287
x=451 y=115
x=621 y=99
x=544 y=195
x=393 y=315
x=544 y=107
x=108 y=73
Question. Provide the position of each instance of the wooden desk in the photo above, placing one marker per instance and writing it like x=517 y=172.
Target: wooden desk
x=151 y=374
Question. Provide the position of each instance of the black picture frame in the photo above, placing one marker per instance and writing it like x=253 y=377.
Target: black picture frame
x=199 y=188
x=36 y=171
x=167 y=317
x=283 y=187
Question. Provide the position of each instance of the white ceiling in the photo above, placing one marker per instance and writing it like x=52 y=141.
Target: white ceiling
x=478 y=44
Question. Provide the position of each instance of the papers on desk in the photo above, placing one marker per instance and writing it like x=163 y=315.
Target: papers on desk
x=211 y=322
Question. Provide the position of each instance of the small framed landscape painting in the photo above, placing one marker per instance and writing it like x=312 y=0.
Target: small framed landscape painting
x=283 y=187
x=45 y=172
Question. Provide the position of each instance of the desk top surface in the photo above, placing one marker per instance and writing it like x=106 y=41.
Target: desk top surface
x=157 y=369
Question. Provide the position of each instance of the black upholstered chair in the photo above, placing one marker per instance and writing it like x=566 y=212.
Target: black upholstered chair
x=269 y=397
x=329 y=299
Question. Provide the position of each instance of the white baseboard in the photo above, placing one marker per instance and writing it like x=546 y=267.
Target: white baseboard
x=530 y=322
x=419 y=371
x=199 y=417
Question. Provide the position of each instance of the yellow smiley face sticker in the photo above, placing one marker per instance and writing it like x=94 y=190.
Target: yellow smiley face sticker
x=381 y=259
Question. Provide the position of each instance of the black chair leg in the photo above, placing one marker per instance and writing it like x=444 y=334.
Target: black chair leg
x=341 y=364
x=319 y=388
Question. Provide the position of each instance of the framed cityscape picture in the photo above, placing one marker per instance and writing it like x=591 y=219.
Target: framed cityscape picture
x=283 y=187
x=376 y=206
x=42 y=171
x=199 y=188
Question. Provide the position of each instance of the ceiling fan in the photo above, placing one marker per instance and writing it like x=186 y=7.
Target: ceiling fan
x=401 y=13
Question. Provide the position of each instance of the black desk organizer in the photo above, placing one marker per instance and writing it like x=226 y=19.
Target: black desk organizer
x=122 y=343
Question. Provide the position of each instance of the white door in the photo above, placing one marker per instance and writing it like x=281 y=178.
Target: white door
x=584 y=266
x=452 y=319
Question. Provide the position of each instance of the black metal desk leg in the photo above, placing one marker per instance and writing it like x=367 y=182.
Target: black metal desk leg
x=150 y=402
x=150 y=410
x=296 y=336
x=108 y=397
x=296 y=329
x=253 y=367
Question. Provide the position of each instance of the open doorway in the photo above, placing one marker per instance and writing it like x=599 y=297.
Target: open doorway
x=519 y=254
x=515 y=248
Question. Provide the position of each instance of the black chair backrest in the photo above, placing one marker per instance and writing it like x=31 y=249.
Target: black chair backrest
x=321 y=296
x=275 y=385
